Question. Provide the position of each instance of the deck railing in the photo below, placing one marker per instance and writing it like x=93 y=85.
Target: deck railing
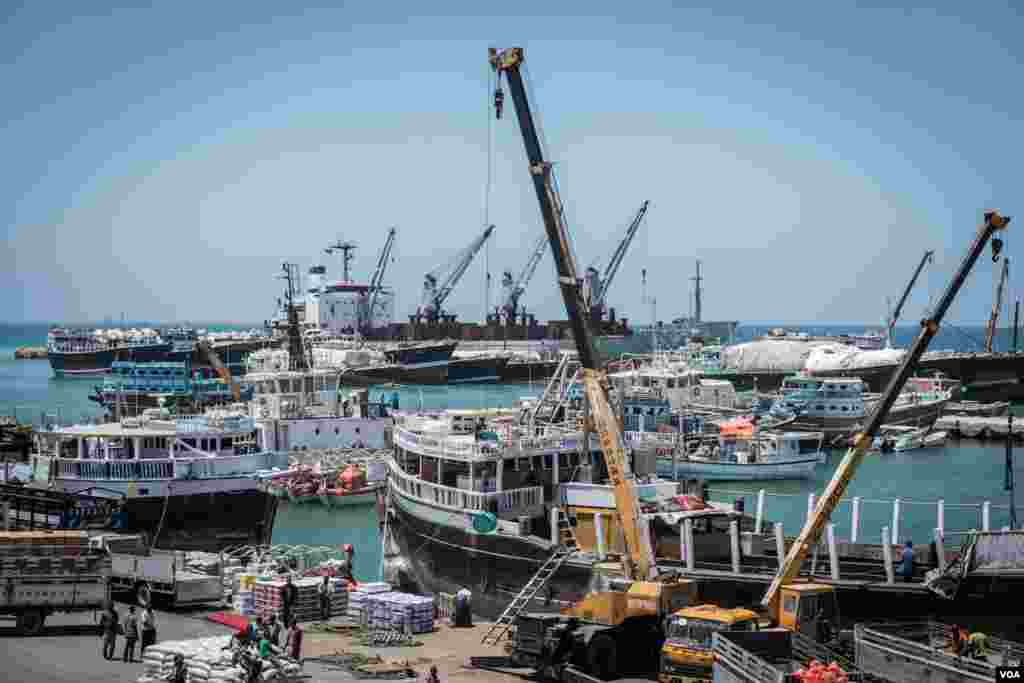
x=178 y=468
x=462 y=499
x=466 y=449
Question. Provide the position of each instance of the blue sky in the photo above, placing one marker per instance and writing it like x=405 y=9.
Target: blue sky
x=162 y=161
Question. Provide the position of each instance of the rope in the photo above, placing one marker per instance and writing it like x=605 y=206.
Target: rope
x=163 y=515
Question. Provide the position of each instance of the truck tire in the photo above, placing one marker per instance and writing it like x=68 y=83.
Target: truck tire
x=602 y=657
x=30 y=622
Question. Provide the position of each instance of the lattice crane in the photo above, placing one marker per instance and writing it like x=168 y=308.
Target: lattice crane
x=439 y=283
x=514 y=288
x=599 y=285
x=376 y=282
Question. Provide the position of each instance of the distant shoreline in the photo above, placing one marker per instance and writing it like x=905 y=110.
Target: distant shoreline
x=30 y=353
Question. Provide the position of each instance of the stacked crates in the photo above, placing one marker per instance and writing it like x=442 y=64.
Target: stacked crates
x=357 y=599
x=400 y=611
x=270 y=597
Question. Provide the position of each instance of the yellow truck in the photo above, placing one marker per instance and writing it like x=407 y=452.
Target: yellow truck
x=686 y=656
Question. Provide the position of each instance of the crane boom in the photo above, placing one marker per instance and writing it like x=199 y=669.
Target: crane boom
x=434 y=294
x=378 y=273
x=516 y=288
x=990 y=333
x=639 y=562
x=906 y=292
x=811 y=533
x=617 y=256
x=222 y=370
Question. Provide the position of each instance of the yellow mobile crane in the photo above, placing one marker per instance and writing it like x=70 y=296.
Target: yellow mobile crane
x=792 y=605
x=592 y=633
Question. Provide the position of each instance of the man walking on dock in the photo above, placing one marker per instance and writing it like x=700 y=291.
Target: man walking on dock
x=907 y=563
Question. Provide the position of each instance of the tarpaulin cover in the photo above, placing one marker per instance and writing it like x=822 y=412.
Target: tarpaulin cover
x=998 y=552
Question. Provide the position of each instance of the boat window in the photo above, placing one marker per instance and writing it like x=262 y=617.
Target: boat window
x=845 y=409
x=820 y=407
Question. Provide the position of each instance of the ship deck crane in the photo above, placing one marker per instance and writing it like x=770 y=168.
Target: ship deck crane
x=990 y=332
x=927 y=258
x=638 y=563
x=218 y=365
x=439 y=283
x=514 y=289
x=376 y=282
x=811 y=532
x=600 y=286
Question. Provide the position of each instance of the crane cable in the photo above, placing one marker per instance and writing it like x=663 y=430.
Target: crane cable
x=493 y=82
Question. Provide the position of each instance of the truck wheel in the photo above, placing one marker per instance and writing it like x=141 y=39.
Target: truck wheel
x=602 y=657
x=143 y=594
x=30 y=622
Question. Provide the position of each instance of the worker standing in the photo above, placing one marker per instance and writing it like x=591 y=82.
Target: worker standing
x=324 y=592
x=907 y=563
x=109 y=625
x=148 y=628
x=131 y=635
x=288 y=599
x=294 y=642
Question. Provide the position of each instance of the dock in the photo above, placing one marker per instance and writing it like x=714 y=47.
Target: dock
x=981 y=427
x=30 y=353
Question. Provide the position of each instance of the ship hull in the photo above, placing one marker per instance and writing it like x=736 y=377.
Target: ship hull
x=396 y=374
x=97 y=362
x=922 y=414
x=798 y=468
x=191 y=514
x=476 y=369
x=528 y=371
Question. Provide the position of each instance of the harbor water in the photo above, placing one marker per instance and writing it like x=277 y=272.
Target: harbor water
x=965 y=474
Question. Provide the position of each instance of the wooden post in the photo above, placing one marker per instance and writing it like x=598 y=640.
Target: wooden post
x=810 y=505
x=833 y=553
x=780 y=544
x=855 y=522
x=986 y=515
x=759 y=519
x=691 y=555
x=941 y=517
x=734 y=542
x=896 y=521
x=940 y=550
x=890 y=576
x=555 y=536
x=599 y=536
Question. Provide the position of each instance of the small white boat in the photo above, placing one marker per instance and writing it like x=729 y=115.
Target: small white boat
x=903 y=438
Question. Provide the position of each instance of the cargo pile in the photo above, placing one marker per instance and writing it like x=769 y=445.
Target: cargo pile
x=52 y=555
x=208 y=661
x=268 y=595
x=357 y=599
x=400 y=612
x=816 y=672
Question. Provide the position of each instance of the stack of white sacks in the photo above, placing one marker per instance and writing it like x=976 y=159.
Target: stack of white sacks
x=400 y=611
x=357 y=599
x=207 y=662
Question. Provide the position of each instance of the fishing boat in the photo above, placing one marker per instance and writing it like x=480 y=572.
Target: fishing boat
x=186 y=478
x=837 y=405
x=132 y=387
x=741 y=452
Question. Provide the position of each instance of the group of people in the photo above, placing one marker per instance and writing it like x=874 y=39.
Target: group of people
x=133 y=629
x=973 y=645
x=261 y=640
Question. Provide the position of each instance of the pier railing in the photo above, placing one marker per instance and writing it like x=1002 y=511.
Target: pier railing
x=512 y=500
x=868 y=550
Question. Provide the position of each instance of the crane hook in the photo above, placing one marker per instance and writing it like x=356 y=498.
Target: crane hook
x=997 y=246
x=499 y=101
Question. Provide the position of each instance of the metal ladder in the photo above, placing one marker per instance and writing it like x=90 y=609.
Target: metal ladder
x=500 y=627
